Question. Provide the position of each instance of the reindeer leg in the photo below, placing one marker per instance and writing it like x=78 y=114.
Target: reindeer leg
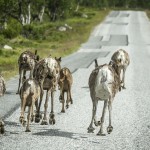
x=38 y=116
x=90 y=128
x=21 y=119
x=61 y=95
x=123 y=78
x=28 y=119
x=68 y=100
x=52 y=116
x=20 y=76
x=109 y=128
x=70 y=97
x=102 y=119
x=44 y=121
x=32 y=114
x=63 y=102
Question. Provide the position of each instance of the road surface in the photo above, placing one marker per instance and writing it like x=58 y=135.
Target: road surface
x=129 y=30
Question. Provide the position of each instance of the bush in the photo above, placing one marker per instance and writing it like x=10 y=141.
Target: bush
x=33 y=32
x=13 y=29
x=3 y=41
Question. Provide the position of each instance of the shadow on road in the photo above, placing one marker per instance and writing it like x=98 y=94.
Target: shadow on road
x=56 y=132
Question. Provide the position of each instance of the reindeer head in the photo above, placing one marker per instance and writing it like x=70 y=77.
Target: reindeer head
x=58 y=66
x=116 y=65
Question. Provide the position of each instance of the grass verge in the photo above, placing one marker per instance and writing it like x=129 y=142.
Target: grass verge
x=48 y=40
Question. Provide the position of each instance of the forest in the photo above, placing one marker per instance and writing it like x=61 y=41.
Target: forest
x=27 y=11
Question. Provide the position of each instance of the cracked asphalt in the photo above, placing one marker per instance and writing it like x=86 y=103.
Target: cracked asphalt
x=129 y=30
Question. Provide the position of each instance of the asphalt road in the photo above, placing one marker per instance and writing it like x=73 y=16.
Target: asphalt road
x=129 y=30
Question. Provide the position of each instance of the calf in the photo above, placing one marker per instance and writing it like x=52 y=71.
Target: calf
x=65 y=83
x=29 y=94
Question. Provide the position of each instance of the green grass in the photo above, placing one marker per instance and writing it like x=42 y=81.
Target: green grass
x=48 y=40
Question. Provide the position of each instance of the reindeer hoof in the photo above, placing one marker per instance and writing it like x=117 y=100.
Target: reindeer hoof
x=28 y=130
x=123 y=87
x=67 y=106
x=51 y=121
x=109 y=129
x=60 y=99
x=2 y=130
x=97 y=123
x=24 y=123
x=32 y=118
x=37 y=120
x=63 y=111
x=101 y=134
x=90 y=130
x=44 y=122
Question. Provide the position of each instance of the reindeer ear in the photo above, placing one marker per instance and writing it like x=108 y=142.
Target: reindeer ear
x=59 y=59
x=37 y=57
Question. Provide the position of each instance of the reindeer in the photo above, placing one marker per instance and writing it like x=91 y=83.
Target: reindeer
x=104 y=83
x=29 y=94
x=26 y=61
x=65 y=83
x=2 y=130
x=121 y=59
x=47 y=73
x=2 y=86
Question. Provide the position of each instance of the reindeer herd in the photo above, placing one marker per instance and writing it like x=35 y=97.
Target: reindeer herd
x=47 y=75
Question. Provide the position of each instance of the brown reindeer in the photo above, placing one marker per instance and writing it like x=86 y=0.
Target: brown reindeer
x=47 y=73
x=2 y=130
x=29 y=94
x=65 y=83
x=26 y=61
x=121 y=59
x=104 y=83
x=2 y=86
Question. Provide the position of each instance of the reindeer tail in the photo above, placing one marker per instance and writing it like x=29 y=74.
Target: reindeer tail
x=96 y=63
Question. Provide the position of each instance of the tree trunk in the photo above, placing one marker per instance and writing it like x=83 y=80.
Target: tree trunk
x=28 y=17
x=41 y=14
x=77 y=8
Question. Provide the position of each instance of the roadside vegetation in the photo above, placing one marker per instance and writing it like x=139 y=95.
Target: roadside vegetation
x=47 y=39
